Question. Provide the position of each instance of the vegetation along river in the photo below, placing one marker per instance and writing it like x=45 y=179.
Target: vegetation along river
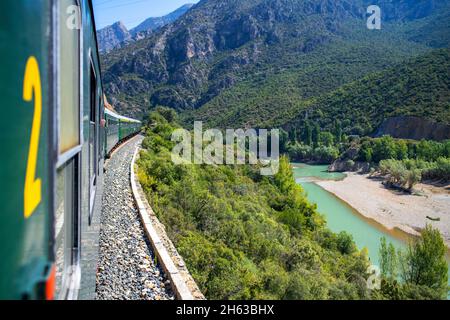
x=342 y=217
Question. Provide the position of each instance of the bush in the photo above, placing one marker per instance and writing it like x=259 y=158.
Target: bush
x=407 y=173
x=322 y=153
x=422 y=268
x=424 y=262
x=378 y=149
x=439 y=170
x=345 y=243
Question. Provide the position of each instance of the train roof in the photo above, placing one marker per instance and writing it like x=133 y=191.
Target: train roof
x=118 y=116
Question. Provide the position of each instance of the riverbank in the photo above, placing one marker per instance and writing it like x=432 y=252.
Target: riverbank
x=393 y=209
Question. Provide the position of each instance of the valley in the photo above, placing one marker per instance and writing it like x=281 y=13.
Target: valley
x=363 y=116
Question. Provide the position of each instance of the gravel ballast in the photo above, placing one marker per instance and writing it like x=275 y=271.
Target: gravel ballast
x=127 y=268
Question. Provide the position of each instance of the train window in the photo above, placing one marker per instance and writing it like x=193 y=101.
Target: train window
x=66 y=227
x=93 y=127
x=69 y=61
x=93 y=111
x=101 y=115
x=94 y=131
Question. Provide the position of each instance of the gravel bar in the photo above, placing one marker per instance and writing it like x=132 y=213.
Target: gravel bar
x=126 y=268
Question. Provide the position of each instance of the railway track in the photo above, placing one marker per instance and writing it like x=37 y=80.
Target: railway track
x=126 y=268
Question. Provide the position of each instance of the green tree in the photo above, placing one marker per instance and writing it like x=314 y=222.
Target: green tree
x=284 y=140
x=367 y=154
x=424 y=262
x=327 y=139
x=168 y=113
x=384 y=148
x=401 y=149
x=413 y=177
x=316 y=135
x=345 y=243
x=294 y=135
x=338 y=131
x=307 y=137
x=388 y=260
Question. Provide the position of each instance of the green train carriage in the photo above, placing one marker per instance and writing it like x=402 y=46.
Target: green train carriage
x=53 y=145
x=119 y=128
x=112 y=130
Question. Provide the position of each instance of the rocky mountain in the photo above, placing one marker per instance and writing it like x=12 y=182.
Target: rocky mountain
x=113 y=36
x=117 y=35
x=152 y=24
x=264 y=62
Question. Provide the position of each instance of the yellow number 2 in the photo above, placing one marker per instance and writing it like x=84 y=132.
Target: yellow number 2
x=32 y=86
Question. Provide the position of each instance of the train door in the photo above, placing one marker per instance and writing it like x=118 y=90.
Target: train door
x=93 y=137
x=26 y=175
x=68 y=173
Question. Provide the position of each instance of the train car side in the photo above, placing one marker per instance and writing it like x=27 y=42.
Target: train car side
x=119 y=128
x=111 y=131
x=79 y=157
x=27 y=149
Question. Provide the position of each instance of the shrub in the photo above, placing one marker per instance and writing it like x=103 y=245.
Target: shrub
x=422 y=268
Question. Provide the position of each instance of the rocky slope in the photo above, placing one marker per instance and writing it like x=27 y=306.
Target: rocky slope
x=414 y=128
x=152 y=24
x=117 y=35
x=113 y=36
x=258 y=62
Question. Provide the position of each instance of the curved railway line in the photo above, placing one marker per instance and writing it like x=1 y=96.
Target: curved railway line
x=126 y=267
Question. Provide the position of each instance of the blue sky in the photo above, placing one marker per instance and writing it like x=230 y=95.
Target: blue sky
x=133 y=12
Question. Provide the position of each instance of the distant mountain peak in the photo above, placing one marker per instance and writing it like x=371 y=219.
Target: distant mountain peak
x=186 y=6
x=154 y=23
x=120 y=24
x=112 y=36
x=117 y=34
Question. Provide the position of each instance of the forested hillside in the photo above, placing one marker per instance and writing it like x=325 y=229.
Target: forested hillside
x=261 y=62
x=419 y=87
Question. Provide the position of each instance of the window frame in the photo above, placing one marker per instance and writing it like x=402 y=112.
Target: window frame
x=93 y=98
x=66 y=156
x=70 y=281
